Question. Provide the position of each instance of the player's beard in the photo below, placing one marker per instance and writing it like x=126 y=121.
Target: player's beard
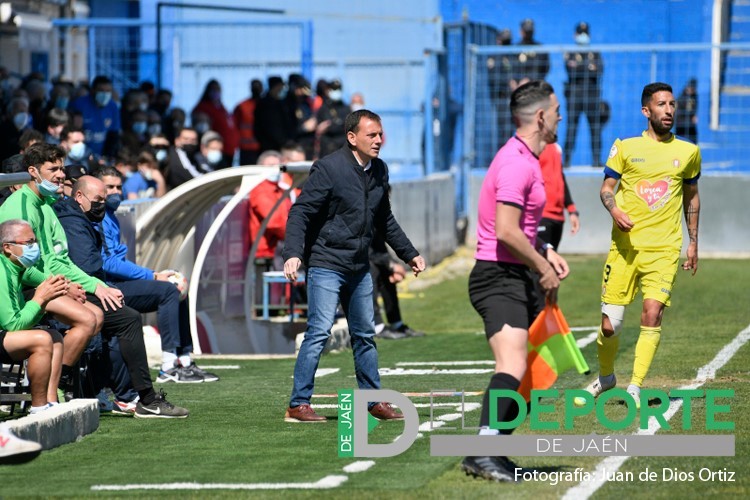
x=660 y=128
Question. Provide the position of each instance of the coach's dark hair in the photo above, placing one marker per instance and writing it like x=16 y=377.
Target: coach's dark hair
x=40 y=153
x=351 y=123
x=651 y=89
x=528 y=94
x=107 y=171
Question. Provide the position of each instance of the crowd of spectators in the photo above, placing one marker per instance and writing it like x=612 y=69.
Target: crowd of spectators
x=157 y=146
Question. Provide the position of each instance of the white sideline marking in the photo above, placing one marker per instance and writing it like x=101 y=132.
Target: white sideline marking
x=707 y=371
x=583 y=342
x=322 y=372
x=445 y=363
x=359 y=466
x=219 y=367
x=403 y=371
x=325 y=483
x=441 y=420
x=584 y=328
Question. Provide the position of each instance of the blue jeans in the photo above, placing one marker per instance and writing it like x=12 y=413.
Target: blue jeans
x=324 y=289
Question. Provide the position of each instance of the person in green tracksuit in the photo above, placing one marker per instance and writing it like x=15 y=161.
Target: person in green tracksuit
x=20 y=337
x=32 y=203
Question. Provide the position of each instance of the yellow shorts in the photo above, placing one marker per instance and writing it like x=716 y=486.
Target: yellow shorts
x=653 y=271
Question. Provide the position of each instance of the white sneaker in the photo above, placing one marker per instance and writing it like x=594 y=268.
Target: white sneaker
x=595 y=388
x=14 y=450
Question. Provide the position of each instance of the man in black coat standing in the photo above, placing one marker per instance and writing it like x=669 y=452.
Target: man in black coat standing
x=330 y=228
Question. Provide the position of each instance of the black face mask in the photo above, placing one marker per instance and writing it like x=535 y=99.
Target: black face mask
x=96 y=212
x=190 y=149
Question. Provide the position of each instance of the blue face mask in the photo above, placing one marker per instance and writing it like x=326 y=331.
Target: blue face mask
x=48 y=189
x=20 y=120
x=113 y=201
x=61 y=102
x=140 y=127
x=582 y=39
x=30 y=254
x=161 y=155
x=103 y=98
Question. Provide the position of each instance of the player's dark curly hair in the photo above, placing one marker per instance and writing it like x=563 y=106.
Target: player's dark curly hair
x=651 y=89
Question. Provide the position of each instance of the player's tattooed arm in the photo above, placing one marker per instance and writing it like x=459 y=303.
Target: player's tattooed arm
x=608 y=200
x=607 y=193
x=692 y=207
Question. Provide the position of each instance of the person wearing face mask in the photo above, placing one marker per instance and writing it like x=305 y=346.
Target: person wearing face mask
x=72 y=141
x=33 y=203
x=221 y=120
x=20 y=338
x=330 y=130
x=181 y=162
x=147 y=181
x=101 y=117
x=81 y=217
x=17 y=119
x=135 y=136
x=158 y=145
x=271 y=126
x=261 y=201
x=210 y=156
x=147 y=291
x=583 y=94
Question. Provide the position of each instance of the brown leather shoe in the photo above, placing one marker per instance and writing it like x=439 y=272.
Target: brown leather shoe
x=384 y=411
x=303 y=413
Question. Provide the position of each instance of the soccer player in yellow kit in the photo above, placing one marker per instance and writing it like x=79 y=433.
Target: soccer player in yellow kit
x=658 y=177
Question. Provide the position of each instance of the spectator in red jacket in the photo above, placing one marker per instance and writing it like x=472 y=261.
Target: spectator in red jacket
x=221 y=119
x=262 y=199
x=558 y=198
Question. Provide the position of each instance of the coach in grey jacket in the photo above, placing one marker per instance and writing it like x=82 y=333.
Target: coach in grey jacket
x=330 y=228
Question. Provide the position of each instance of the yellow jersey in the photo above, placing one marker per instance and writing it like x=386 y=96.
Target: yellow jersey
x=651 y=175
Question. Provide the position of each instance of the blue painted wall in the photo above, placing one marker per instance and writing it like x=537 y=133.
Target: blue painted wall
x=611 y=21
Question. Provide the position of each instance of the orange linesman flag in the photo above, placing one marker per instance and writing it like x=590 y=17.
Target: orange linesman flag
x=552 y=351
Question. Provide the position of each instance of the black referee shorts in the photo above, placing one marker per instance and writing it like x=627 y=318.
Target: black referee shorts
x=504 y=293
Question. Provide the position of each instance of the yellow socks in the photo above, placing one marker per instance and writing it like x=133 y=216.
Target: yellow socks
x=645 y=350
x=607 y=348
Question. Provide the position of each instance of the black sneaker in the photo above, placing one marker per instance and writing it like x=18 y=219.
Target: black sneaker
x=160 y=408
x=512 y=466
x=179 y=375
x=488 y=468
x=404 y=328
x=207 y=376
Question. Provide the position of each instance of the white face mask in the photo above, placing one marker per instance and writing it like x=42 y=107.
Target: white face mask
x=77 y=151
x=582 y=39
x=274 y=176
x=335 y=95
x=213 y=156
x=357 y=107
